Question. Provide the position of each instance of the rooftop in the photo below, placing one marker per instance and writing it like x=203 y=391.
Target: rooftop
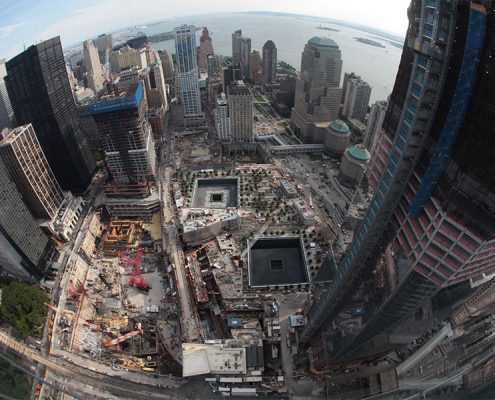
x=200 y=359
x=222 y=99
x=238 y=88
x=322 y=41
x=304 y=208
x=339 y=126
x=359 y=152
x=117 y=98
x=9 y=136
x=193 y=219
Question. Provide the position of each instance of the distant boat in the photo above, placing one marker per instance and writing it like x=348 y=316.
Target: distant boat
x=326 y=28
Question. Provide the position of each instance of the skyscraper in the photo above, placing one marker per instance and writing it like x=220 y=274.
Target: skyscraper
x=222 y=120
x=127 y=57
x=6 y=112
x=269 y=62
x=357 y=98
x=150 y=54
x=432 y=218
x=94 y=69
x=240 y=112
x=185 y=49
x=347 y=76
x=318 y=93
x=167 y=65
x=213 y=64
x=230 y=74
x=124 y=133
x=256 y=73
x=157 y=82
x=28 y=168
x=40 y=94
x=374 y=125
x=23 y=243
x=241 y=51
x=205 y=49
x=104 y=44
x=245 y=56
x=236 y=46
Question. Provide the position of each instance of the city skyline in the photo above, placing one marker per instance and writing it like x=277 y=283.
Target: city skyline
x=246 y=208
x=75 y=24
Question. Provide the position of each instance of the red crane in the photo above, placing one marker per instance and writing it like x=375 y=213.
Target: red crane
x=132 y=267
x=74 y=290
x=125 y=337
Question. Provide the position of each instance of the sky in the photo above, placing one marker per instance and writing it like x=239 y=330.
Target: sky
x=24 y=22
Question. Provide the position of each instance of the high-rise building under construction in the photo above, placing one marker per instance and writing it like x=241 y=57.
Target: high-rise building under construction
x=431 y=222
x=120 y=115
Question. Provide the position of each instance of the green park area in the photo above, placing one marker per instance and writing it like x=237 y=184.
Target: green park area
x=22 y=306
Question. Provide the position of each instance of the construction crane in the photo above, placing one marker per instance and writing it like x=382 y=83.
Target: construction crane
x=63 y=312
x=253 y=241
x=132 y=267
x=74 y=291
x=125 y=337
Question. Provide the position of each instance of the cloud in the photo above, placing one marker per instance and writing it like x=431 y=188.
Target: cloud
x=75 y=24
x=7 y=30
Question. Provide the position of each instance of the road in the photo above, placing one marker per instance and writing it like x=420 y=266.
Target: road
x=290 y=305
x=190 y=325
x=87 y=379
x=189 y=318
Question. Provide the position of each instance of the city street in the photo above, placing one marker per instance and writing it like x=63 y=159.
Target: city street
x=190 y=321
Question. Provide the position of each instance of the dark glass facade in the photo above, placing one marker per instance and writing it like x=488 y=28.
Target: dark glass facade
x=434 y=206
x=40 y=93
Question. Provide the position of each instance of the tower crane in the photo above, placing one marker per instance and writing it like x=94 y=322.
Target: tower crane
x=127 y=336
x=63 y=312
x=132 y=267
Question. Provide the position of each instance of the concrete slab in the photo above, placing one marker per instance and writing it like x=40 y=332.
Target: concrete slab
x=154 y=296
x=199 y=359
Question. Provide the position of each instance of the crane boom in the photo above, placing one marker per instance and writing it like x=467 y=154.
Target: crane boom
x=125 y=337
x=137 y=279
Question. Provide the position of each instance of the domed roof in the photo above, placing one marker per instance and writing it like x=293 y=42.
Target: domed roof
x=323 y=41
x=339 y=126
x=360 y=153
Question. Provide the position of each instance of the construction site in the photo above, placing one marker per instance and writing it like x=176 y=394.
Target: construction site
x=119 y=308
x=206 y=283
